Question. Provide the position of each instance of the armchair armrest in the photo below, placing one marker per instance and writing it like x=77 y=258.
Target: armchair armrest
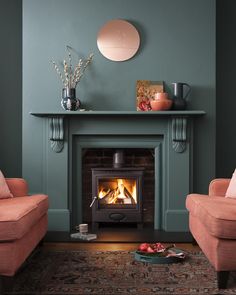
x=218 y=187
x=17 y=186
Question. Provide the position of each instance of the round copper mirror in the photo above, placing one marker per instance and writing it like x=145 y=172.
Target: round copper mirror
x=118 y=40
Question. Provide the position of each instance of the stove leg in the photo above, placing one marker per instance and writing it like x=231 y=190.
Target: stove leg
x=95 y=226
x=140 y=226
x=1 y=285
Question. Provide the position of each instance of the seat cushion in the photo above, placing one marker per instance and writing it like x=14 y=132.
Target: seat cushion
x=14 y=253
x=217 y=214
x=18 y=215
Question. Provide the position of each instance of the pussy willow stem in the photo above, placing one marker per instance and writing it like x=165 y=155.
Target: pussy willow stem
x=58 y=71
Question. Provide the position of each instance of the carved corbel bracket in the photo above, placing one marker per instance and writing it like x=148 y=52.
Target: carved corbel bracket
x=179 y=134
x=56 y=133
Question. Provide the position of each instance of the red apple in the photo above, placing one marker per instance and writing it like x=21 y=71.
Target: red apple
x=143 y=247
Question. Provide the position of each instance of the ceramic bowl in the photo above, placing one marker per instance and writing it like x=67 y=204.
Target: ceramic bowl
x=161 y=104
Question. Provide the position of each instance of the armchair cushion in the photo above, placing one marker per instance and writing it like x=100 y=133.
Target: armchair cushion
x=218 y=187
x=17 y=186
x=4 y=189
x=19 y=214
x=231 y=191
x=217 y=214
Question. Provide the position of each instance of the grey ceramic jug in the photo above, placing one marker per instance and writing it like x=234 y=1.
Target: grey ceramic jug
x=181 y=91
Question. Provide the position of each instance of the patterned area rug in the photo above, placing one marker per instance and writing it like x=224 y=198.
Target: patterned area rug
x=116 y=273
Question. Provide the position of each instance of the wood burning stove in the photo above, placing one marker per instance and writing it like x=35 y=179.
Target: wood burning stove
x=117 y=193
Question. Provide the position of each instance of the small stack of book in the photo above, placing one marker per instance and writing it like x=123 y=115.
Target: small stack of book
x=84 y=236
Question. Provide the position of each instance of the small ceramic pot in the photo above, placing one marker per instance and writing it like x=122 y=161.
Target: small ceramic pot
x=161 y=102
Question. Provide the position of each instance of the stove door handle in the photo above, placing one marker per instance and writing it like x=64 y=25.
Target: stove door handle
x=93 y=200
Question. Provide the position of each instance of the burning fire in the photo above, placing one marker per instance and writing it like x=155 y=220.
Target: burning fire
x=123 y=193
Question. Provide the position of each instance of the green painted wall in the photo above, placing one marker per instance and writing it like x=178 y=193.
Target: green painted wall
x=11 y=130
x=226 y=98
x=177 y=44
x=11 y=87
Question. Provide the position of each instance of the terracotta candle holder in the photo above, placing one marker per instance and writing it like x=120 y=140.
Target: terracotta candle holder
x=161 y=102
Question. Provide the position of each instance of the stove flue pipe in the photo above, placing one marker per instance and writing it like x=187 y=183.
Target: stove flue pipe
x=118 y=158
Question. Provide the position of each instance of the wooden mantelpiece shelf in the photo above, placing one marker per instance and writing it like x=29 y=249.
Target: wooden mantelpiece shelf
x=119 y=113
x=178 y=121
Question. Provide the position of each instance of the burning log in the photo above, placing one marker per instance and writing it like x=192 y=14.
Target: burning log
x=129 y=195
x=119 y=195
x=110 y=197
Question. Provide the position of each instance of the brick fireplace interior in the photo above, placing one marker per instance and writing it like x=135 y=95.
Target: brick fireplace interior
x=134 y=158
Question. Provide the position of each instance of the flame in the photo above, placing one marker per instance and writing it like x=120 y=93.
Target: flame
x=122 y=194
x=102 y=193
x=121 y=188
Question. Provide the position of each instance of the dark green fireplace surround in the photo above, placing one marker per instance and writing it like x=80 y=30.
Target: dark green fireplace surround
x=170 y=134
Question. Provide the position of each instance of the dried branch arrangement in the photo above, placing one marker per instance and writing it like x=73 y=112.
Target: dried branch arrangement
x=72 y=75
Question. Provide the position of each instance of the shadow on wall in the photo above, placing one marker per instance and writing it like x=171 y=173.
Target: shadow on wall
x=11 y=88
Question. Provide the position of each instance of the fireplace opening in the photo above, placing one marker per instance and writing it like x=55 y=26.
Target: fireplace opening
x=118 y=187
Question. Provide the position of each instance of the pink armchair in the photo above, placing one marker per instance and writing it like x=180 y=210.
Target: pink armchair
x=23 y=224
x=212 y=222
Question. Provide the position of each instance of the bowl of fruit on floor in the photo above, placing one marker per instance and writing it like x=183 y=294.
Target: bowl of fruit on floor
x=158 y=253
